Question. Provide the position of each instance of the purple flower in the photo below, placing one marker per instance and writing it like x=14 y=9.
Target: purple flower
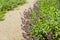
x=35 y=38
x=49 y=36
x=23 y=20
x=24 y=35
x=28 y=23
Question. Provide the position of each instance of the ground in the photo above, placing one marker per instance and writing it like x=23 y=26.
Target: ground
x=10 y=28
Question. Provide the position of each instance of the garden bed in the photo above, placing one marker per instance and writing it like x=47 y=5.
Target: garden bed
x=45 y=20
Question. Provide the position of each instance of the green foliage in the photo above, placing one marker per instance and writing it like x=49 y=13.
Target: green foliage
x=46 y=23
x=6 y=5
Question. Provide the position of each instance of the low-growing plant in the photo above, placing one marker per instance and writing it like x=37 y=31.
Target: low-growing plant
x=46 y=22
x=6 y=5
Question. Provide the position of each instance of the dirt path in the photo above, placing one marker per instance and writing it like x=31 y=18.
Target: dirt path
x=10 y=28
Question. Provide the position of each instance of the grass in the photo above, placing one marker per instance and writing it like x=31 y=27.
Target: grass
x=6 y=5
x=45 y=20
